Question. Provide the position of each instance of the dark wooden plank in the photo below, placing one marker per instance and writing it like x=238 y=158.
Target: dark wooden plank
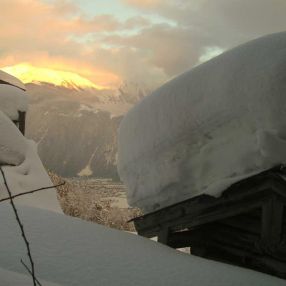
x=246 y=222
x=223 y=234
x=219 y=212
x=184 y=216
x=206 y=214
x=236 y=256
x=163 y=236
x=22 y=121
x=175 y=211
x=195 y=205
x=185 y=238
x=245 y=226
x=272 y=221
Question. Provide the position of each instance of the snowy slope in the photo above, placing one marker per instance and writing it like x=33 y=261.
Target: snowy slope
x=208 y=128
x=71 y=252
x=9 y=278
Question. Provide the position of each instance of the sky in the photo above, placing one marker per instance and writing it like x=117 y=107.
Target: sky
x=104 y=43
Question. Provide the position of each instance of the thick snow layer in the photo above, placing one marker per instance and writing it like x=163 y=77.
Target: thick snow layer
x=10 y=278
x=208 y=128
x=23 y=168
x=73 y=252
x=12 y=142
x=11 y=80
x=12 y=100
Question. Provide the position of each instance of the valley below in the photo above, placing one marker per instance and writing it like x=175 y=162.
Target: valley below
x=101 y=201
x=76 y=133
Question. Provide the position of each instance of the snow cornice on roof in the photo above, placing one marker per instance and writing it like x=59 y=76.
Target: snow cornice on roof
x=6 y=78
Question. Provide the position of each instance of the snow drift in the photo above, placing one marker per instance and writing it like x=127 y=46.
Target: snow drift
x=9 y=79
x=12 y=100
x=69 y=251
x=23 y=168
x=12 y=142
x=10 y=278
x=18 y=156
x=208 y=128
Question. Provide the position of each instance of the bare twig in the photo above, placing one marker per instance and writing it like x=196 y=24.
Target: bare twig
x=27 y=268
x=21 y=227
x=30 y=192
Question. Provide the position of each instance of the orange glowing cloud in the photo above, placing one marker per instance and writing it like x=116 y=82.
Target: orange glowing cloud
x=28 y=73
x=143 y=3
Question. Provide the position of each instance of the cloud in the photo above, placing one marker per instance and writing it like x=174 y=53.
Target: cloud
x=56 y=36
x=202 y=25
x=209 y=53
x=171 y=49
x=146 y=4
x=161 y=39
x=230 y=21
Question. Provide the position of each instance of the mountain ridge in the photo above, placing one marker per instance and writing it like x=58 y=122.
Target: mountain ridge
x=76 y=130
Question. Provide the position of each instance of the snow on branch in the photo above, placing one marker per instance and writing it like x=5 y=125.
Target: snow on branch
x=21 y=227
x=31 y=192
x=27 y=268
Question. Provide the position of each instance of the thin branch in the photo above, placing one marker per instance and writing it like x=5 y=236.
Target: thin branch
x=27 y=268
x=30 y=192
x=21 y=227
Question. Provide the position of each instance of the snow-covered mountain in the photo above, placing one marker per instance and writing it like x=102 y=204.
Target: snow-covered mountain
x=76 y=128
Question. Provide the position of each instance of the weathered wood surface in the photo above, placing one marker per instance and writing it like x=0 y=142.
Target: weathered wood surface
x=21 y=121
x=246 y=226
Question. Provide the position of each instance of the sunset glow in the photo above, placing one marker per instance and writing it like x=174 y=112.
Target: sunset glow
x=103 y=44
x=28 y=73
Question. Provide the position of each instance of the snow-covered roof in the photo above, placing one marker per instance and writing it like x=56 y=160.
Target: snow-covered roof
x=208 y=128
x=12 y=100
x=9 y=79
x=23 y=168
x=13 y=145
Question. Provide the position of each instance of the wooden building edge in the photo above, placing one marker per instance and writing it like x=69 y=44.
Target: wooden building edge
x=245 y=226
x=20 y=122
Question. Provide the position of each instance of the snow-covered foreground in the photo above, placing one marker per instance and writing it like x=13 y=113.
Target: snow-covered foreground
x=208 y=128
x=69 y=251
x=10 y=278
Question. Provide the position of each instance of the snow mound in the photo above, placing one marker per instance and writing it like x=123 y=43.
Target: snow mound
x=12 y=143
x=208 y=128
x=12 y=100
x=5 y=77
x=23 y=169
x=10 y=278
x=73 y=252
